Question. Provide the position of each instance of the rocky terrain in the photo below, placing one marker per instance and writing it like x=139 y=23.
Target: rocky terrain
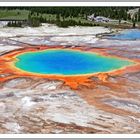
x=40 y=105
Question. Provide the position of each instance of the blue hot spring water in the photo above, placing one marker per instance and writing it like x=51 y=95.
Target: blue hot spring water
x=130 y=34
x=67 y=62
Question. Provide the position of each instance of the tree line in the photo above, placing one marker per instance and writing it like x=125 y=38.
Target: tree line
x=64 y=15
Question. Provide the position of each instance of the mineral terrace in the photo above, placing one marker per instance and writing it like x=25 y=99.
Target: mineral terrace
x=30 y=104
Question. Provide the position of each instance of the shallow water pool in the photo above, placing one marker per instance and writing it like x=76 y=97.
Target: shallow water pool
x=130 y=34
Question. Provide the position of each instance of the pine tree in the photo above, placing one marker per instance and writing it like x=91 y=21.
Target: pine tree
x=134 y=22
x=139 y=15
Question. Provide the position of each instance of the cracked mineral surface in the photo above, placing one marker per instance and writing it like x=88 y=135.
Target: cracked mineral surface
x=40 y=105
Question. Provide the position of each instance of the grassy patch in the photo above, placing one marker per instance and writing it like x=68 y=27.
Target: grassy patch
x=14 y=14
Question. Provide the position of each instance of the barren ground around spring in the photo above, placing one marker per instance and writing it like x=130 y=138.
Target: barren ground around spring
x=39 y=105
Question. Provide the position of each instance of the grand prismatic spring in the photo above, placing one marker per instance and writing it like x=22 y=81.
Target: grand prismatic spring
x=72 y=66
x=70 y=81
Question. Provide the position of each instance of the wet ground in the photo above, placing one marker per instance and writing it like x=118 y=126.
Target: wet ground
x=40 y=105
